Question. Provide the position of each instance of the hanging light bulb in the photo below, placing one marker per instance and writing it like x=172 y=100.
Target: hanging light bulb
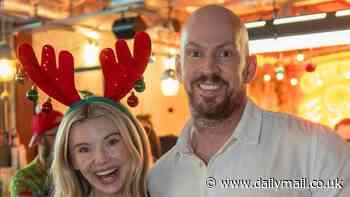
x=294 y=81
x=300 y=56
x=169 y=85
x=7 y=70
x=7 y=65
x=90 y=54
x=280 y=73
x=279 y=76
x=267 y=77
x=169 y=63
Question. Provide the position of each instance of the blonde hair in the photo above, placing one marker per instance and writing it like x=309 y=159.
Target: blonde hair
x=70 y=183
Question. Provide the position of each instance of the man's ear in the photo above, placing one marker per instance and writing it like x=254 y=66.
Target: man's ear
x=178 y=68
x=250 y=69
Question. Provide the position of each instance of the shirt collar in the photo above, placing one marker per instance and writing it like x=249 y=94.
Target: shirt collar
x=248 y=130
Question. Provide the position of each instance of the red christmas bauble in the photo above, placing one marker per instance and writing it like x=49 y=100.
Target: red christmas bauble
x=133 y=100
x=310 y=67
x=47 y=106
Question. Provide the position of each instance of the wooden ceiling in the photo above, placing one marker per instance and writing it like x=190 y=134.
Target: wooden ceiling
x=249 y=10
x=156 y=12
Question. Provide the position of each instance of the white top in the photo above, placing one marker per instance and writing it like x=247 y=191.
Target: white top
x=269 y=155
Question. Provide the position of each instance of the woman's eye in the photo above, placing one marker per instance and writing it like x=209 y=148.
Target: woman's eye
x=83 y=150
x=113 y=141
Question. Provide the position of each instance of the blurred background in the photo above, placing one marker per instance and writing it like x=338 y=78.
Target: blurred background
x=303 y=50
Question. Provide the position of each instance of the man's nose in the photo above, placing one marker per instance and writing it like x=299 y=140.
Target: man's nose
x=210 y=65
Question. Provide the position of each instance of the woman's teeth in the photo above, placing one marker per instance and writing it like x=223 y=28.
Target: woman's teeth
x=106 y=172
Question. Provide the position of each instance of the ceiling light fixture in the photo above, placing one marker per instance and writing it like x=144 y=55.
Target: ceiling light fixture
x=301 y=32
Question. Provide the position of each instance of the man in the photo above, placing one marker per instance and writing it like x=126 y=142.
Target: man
x=33 y=180
x=231 y=147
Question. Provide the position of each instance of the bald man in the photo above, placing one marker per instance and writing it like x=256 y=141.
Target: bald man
x=231 y=147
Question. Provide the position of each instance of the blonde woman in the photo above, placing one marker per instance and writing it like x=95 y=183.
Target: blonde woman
x=100 y=151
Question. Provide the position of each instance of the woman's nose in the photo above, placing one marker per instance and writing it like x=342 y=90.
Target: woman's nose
x=101 y=156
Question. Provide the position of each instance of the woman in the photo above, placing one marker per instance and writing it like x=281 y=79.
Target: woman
x=100 y=148
x=100 y=151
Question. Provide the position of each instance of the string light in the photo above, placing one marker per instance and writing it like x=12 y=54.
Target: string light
x=300 y=57
x=294 y=81
x=279 y=76
x=267 y=77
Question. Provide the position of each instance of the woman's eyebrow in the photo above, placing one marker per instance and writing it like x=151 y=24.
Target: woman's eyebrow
x=81 y=144
x=112 y=134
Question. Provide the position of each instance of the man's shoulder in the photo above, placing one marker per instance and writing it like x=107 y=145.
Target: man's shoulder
x=297 y=129
x=292 y=123
x=164 y=163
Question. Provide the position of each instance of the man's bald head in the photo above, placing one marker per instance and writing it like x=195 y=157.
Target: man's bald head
x=214 y=63
x=214 y=17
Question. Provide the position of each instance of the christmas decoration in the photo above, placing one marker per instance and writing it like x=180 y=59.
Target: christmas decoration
x=133 y=100
x=20 y=76
x=32 y=94
x=57 y=80
x=310 y=67
x=140 y=85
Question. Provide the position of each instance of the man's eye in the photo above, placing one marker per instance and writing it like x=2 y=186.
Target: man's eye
x=225 y=53
x=194 y=54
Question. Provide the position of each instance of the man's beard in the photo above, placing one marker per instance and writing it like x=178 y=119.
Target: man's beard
x=213 y=110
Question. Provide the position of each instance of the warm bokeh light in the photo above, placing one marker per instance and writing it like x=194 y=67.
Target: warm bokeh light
x=267 y=77
x=327 y=90
x=90 y=54
x=169 y=62
x=7 y=70
x=170 y=86
x=300 y=57
x=294 y=81
x=279 y=76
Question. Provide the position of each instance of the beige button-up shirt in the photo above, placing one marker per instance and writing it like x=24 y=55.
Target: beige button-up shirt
x=268 y=155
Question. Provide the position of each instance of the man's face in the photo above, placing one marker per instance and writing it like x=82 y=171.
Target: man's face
x=46 y=144
x=212 y=67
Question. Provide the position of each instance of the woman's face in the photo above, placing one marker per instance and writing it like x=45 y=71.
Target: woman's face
x=98 y=151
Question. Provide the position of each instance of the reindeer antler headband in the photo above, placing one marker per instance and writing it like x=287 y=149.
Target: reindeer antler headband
x=57 y=80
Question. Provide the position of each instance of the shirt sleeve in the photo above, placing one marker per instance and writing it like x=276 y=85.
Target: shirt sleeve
x=331 y=166
x=18 y=187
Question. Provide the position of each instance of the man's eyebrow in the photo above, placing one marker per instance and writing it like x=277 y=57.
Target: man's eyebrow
x=194 y=44
x=226 y=43
x=190 y=43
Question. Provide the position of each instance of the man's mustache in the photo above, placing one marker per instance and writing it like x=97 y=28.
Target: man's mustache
x=214 y=78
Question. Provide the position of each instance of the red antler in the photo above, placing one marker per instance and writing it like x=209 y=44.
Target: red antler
x=57 y=82
x=121 y=76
